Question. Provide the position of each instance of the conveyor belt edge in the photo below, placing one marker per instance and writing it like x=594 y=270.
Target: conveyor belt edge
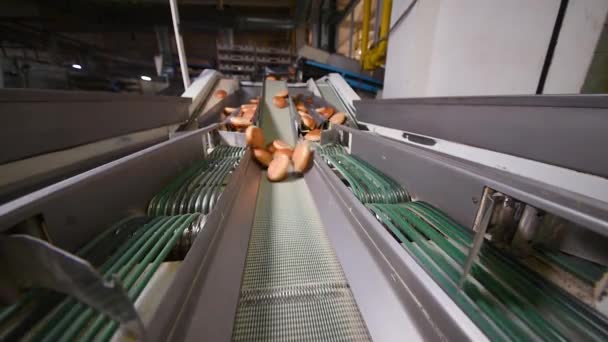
x=388 y=284
x=205 y=293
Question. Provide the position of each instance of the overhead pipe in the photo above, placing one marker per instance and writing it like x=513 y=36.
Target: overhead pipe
x=266 y=23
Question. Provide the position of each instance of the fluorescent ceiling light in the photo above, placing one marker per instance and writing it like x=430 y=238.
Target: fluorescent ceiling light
x=77 y=66
x=146 y=78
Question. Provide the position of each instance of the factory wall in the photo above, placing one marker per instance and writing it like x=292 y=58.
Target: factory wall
x=581 y=50
x=597 y=76
x=477 y=47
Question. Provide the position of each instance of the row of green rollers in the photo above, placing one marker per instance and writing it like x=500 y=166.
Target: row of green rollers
x=367 y=183
x=131 y=250
x=198 y=189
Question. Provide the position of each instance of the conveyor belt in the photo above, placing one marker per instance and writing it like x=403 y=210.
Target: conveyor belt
x=293 y=286
x=368 y=184
x=197 y=189
x=505 y=299
x=132 y=251
x=134 y=263
x=587 y=271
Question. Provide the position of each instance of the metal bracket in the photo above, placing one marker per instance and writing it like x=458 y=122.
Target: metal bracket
x=29 y=262
x=480 y=226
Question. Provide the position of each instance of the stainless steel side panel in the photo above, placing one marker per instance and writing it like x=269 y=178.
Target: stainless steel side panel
x=563 y=130
x=80 y=207
x=203 y=299
x=41 y=121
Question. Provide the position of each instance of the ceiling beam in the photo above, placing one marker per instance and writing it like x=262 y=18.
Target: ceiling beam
x=81 y=16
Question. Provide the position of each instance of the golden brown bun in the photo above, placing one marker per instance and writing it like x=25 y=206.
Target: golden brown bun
x=249 y=111
x=270 y=148
x=326 y=112
x=338 y=118
x=278 y=168
x=239 y=122
x=249 y=116
x=262 y=156
x=287 y=152
x=282 y=93
x=302 y=155
x=301 y=107
x=249 y=106
x=254 y=137
x=279 y=102
x=280 y=145
x=308 y=121
x=220 y=94
x=314 y=135
x=230 y=110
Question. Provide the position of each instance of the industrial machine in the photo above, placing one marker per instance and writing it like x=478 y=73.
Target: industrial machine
x=435 y=219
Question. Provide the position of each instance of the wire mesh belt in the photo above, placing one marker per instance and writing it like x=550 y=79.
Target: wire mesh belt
x=146 y=243
x=293 y=286
x=198 y=188
x=503 y=297
x=367 y=183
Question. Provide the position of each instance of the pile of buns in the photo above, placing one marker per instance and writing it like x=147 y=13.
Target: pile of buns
x=280 y=99
x=220 y=94
x=311 y=129
x=310 y=124
x=244 y=117
x=280 y=158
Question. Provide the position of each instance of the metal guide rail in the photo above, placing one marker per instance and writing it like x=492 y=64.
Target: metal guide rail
x=293 y=286
x=131 y=251
x=505 y=299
